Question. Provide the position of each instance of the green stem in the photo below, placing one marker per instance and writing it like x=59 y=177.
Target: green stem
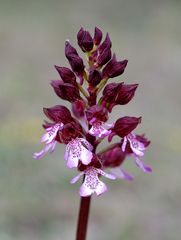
x=83 y=91
x=101 y=85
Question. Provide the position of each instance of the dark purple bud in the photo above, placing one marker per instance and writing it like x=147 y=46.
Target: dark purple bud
x=70 y=131
x=110 y=92
x=126 y=93
x=75 y=61
x=58 y=113
x=66 y=74
x=94 y=77
x=97 y=112
x=69 y=50
x=97 y=36
x=114 y=157
x=65 y=91
x=78 y=108
x=123 y=126
x=84 y=40
x=114 y=68
x=106 y=44
x=104 y=57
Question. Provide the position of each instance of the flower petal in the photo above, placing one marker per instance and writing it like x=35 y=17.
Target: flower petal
x=85 y=191
x=76 y=178
x=123 y=147
x=99 y=131
x=86 y=143
x=72 y=160
x=48 y=148
x=142 y=165
x=85 y=155
x=101 y=188
x=137 y=147
x=76 y=151
x=51 y=133
x=118 y=172
x=107 y=175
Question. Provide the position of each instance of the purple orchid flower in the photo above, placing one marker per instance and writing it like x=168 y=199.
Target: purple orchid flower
x=91 y=183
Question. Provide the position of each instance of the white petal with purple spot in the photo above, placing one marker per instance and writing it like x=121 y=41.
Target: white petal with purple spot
x=78 y=150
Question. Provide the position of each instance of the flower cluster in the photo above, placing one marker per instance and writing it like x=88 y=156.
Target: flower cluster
x=84 y=127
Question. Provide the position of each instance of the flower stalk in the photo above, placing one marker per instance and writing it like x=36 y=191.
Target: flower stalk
x=83 y=217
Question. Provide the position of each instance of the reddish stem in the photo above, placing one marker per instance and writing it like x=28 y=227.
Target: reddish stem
x=83 y=218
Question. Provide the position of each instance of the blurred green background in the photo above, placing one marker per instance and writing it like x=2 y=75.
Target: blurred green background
x=36 y=200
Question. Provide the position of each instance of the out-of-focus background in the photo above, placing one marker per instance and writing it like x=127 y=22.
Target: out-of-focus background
x=36 y=200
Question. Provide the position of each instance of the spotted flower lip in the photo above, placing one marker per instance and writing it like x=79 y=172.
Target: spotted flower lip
x=79 y=149
x=91 y=183
x=49 y=139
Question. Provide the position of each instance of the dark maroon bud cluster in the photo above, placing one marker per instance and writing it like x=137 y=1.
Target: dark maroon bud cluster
x=87 y=85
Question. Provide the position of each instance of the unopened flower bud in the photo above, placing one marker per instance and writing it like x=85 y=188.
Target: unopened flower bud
x=106 y=44
x=84 y=40
x=123 y=126
x=110 y=92
x=66 y=75
x=126 y=93
x=66 y=91
x=97 y=112
x=58 y=113
x=78 y=108
x=94 y=77
x=113 y=157
x=114 y=68
x=97 y=36
x=104 y=57
x=75 y=61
